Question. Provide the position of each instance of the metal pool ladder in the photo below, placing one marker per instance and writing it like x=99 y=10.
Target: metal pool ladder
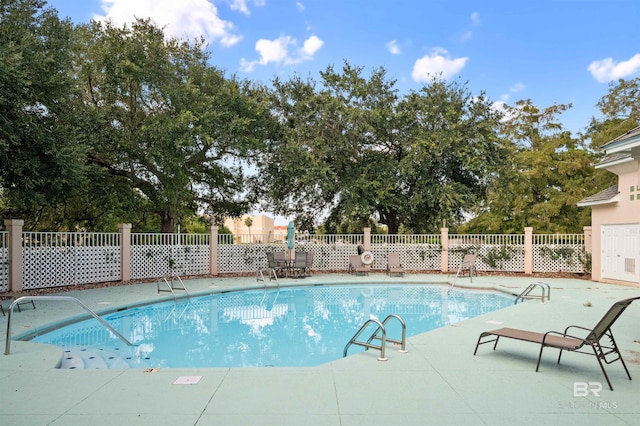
x=172 y=286
x=7 y=348
x=377 y=336
x=546 y=293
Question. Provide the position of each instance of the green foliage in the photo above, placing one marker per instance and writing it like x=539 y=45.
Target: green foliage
x=103 y=125
x=165 y=123
x=41 y=160
x=557 y=253
x=620 y=111
x=351 y=147
x=550 y=172
x=496 y=256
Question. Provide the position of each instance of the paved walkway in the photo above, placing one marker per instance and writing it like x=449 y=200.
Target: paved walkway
x=438 y=381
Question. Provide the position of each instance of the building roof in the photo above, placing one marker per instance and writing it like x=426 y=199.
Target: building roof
x=623 y=142
x=609 y=195
x=616 y=158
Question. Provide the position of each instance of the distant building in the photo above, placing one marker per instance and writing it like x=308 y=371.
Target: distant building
x=261 y=230
x=280 y=233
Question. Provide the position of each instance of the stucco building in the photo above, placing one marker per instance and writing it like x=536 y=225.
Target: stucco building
x=615 y=214
x=261 y=229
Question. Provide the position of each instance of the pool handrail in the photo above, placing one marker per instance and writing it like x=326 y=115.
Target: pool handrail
x=354 y=340
x=402 y=342
x=7 y=349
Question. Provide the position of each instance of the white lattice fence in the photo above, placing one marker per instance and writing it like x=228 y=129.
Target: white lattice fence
x=158 y=255
x=494 y=252
x=4 y=262
x=53 y=259
x=242 y=258
x=558 y=253
x=413 y=257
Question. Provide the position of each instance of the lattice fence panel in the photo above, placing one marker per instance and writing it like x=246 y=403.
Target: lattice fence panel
x=158 y=255
x=558 y=253
x=502 y=253
x=413 y=257
x=250 y=258
x=4 y=262
x=243 y=258
x=54 y=259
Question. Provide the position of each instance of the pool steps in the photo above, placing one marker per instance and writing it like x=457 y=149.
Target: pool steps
x=89 y=358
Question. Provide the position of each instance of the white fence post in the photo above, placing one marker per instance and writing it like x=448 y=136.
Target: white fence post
x=528 y=250
x=14 y=229
x=125 y=251
x=587 y=239
x=213 y=250
x=444 y=254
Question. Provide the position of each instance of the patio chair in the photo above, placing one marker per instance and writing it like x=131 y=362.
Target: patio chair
x=356 y=266
x=280 y=258
x=468 y=264
x=566 y=342
x=299 y=264
x=276 y=266
x=393 y=265
x=307 y=269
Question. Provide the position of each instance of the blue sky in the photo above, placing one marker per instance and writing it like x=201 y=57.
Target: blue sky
x=549 y=51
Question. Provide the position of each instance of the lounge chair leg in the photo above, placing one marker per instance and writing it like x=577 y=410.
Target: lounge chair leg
x=615 y=348
x=597 y=354
x=559 y=355
x=477 y=344
x=488 y=341
x=539 y=357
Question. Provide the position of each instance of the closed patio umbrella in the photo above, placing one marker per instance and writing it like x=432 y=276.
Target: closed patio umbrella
x=290 y=237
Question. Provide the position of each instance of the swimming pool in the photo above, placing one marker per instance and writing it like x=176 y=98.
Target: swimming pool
x=297 y=326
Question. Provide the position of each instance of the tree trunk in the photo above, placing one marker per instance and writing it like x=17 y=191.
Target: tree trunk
x=391 y=220
x=167 y=223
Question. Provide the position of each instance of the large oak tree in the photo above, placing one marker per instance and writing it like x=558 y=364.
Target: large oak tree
x=350 y=147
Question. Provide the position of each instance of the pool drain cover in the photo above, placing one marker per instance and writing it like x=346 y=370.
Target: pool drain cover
x=187 y=380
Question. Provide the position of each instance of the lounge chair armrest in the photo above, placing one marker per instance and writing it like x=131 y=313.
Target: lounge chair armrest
x=578 y=327
x=560 y=334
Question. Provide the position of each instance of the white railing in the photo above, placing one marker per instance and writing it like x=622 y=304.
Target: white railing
x=52 y=259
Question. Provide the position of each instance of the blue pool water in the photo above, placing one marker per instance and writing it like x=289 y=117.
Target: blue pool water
x=302 y=326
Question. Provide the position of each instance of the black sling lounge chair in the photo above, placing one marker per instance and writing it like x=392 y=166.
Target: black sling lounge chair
x=567 y=342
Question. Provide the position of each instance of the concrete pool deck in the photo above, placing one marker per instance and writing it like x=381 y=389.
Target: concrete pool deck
x=438 y=381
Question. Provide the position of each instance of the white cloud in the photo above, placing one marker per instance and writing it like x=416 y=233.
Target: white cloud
x=438 y=63
x=300 y=6
x=183 y=18
x=518 y=87
x=282 y=51
x=467 y=35
x=393 y=47
x=273 y=50
x=311 y=46
x=475 y=18
x=607 y=70
x=239 y=5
